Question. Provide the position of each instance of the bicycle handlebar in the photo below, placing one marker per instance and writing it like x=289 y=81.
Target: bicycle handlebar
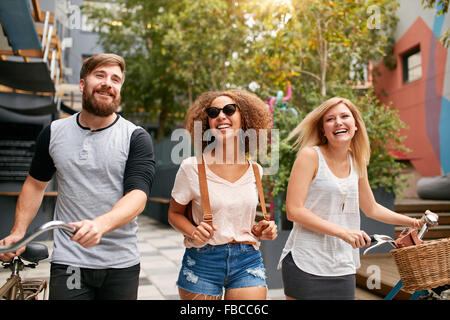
x=44 y=228
x=430 y=220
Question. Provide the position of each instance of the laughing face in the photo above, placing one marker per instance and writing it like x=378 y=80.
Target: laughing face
x=223 y=125
x=101 y=90
x=339 y=124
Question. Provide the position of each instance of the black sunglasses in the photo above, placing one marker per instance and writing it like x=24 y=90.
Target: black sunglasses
x=228 y=110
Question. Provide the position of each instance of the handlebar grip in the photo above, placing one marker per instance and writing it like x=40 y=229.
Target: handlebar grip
x=431 y=218
x=44 y=228
x=372 y=238
x=74 y=230
x=70 y=230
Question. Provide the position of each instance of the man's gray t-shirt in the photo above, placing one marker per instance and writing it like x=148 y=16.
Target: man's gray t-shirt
x=94 y=169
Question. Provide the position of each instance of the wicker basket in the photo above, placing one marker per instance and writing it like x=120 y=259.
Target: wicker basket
x=424 y=266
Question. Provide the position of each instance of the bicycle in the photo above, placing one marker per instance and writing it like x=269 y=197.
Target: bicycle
x=15 y=288
x=441 y=292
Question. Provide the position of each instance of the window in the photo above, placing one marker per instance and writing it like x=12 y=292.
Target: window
x=412 y=65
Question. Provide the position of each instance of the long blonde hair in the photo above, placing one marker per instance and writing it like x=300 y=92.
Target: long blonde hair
x=310 y=132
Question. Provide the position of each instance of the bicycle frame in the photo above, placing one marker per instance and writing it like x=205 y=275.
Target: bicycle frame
x=11 y=288
x=15 y=288
x=416 y=295
x=14 y=284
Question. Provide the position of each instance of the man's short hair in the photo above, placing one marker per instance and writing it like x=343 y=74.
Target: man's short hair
x=91 y=63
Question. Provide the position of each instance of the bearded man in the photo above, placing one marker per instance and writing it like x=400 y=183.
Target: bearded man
x=104 y=166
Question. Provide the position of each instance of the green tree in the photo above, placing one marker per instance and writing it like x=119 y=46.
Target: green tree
x=134 y=30
x=204 y=37
x=322 y=41
x=174 y=50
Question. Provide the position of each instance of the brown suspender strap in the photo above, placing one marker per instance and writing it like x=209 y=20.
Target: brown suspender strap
x=262 y=202
x=204 y=195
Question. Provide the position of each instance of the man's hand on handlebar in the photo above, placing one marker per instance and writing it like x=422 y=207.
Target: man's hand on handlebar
x=89 y=233
x=9 y=240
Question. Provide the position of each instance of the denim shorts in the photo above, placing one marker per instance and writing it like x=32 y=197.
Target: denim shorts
x=210 y=269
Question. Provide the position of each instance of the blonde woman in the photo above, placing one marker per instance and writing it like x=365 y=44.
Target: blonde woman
x=223 y=256
x=327 y=187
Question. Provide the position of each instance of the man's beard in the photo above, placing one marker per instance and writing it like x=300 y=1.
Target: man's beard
x=99 y=108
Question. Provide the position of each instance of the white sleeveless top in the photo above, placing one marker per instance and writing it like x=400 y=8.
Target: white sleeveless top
x=336 y=200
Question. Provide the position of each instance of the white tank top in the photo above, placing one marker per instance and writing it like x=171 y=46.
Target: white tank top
x=336 y=200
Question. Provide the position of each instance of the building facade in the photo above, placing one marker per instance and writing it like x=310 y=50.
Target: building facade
x=419 y=86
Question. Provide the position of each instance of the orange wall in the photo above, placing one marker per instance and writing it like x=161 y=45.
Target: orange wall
x=418 y=102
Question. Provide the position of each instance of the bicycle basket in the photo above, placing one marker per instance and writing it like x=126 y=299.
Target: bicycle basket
x=424 y=266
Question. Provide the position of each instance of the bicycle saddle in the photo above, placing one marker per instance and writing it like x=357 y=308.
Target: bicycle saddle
x=35 y=252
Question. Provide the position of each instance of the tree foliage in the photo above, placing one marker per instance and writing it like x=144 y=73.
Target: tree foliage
x=174 y=51
x=443 y=9
x=319 y=41
x=177 y=49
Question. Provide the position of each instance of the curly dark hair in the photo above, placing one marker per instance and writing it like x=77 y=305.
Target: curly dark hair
x=254 y=112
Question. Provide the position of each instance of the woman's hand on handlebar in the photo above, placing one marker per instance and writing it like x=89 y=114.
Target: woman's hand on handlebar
x=9 y=240
x=356 y=238
x=422 y=220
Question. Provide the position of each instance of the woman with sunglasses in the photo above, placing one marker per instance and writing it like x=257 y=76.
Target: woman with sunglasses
x=223 y=255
